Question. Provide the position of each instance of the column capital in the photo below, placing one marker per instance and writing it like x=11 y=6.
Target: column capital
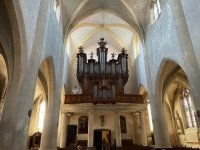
x=69 y=114
x=135 y=113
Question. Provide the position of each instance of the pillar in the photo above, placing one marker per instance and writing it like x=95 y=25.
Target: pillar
x=50 y=127
x=118 y=130
x=63 y=134
x=90 y=129
x=137 y=133
x=49 y=134
x=133 y=128
x=143 y=129
x=160 y=131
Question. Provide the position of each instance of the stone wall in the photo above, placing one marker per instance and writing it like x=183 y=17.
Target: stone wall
x=43 y=42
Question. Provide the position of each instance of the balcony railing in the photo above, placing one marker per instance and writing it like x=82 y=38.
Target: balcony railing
x=123 y=98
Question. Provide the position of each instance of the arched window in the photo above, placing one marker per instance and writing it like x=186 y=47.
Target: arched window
x=188 y=109
x=41 y=114
x=155 y=11
x=150 y=117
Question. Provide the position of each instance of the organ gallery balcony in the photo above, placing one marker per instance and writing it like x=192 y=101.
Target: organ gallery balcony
x=88 y=98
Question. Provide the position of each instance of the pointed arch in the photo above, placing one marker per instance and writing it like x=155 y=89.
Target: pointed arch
x=18 y=39
x=163 y=73
x=172 y=83
x=48 y=71
x=133 y=25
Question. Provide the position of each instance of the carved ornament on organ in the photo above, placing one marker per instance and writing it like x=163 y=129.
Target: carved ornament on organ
x=102 y=79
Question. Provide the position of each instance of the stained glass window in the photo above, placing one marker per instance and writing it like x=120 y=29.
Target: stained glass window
x=188 y=109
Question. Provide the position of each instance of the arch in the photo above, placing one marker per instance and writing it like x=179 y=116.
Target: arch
x=69 y=27
x=18 y=48
x=172 y=79
x=81 y=25
x=43 y=81
x=46 y=79
x=97 y=28
x=168 y=73
x=6 y=40
x=48 y=70
x=162 y=72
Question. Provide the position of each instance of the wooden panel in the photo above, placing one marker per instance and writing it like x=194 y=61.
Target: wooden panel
x=75 y=99
x=123 y=98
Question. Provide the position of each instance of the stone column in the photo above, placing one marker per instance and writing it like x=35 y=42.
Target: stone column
x=118 y=130
x=90 y=130
x=133 y=128
x=59 y=129
x=49 y=134
x=160 y=132
x=63 y=134
x=143 y=129
x=137 y=133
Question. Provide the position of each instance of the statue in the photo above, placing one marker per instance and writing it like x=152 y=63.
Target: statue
x=104 y=84
x=102 y=121
x=91 y=55
x=75 y=91
x=81 y=49
x=79 y=147
x=124 y=50
x=179 y=124
x=113 y=55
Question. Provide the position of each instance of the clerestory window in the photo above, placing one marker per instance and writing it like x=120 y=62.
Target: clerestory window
x=56 y=7
x=155 y=10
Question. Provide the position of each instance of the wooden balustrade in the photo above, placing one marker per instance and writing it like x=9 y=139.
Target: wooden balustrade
x=88 y=98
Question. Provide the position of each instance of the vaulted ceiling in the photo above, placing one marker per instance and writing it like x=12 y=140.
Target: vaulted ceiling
x=117 y=21
x=134 y=12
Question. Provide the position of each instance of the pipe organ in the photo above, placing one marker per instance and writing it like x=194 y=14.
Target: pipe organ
x=102 y=79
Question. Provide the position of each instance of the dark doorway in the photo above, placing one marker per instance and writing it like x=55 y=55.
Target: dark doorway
x=102 y=139
x=71 y=135
x=97 y=139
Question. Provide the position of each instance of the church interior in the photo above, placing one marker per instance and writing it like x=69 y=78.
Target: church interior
x=99 y=74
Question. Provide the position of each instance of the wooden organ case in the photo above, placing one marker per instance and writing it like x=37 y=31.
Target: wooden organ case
x=102 y=81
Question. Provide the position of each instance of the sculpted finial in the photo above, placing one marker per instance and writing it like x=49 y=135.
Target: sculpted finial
x=124 y=50
x=113 y=55
x=102 y=43
x=91 y=55
x=81 y=49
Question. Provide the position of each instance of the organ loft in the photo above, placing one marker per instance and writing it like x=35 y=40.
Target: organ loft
x=102 y=81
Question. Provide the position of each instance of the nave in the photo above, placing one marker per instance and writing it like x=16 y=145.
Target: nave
x=99 y=74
